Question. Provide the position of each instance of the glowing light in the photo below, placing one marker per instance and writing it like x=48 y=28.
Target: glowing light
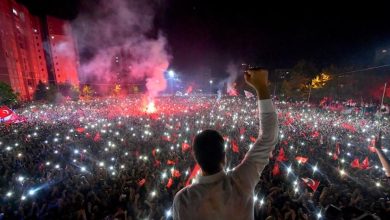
x=20 y=178
x=9 y=194
x=153 y=193
x=83 y=169
x=151 y=108
x=164 y=175
x=319 y=215
x=168 y=213
x=342 y=172
x=378 y=184
x=315 y=168
x=171 y=73
x=23 y=198
x=31 y=192
x=289 y=170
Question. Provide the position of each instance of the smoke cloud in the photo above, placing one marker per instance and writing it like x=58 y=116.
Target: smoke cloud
x=117 y=41
x=233 y=70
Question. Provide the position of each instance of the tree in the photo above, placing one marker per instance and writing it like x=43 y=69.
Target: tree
x=296 y=86
x=87 y=91
x=41 y=91
x=74 y=93
x=7 y=95
x=47 y=93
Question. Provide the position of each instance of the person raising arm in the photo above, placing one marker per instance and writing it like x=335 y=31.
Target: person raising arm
x=220 y=195
x=384 y=160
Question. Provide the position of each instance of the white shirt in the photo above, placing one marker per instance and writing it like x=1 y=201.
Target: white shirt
x=231 y=195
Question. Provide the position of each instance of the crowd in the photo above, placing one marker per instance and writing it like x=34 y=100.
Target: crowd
x=108 y=159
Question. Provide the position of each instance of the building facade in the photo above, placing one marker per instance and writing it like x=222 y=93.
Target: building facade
x=23 y=59
x=63 y=51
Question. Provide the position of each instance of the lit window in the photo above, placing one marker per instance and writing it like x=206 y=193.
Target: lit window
x=14 y=11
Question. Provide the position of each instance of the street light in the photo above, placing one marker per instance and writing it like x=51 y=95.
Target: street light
x=211 y=83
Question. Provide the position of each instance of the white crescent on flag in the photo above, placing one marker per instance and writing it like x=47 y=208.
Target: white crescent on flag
x=5 y=112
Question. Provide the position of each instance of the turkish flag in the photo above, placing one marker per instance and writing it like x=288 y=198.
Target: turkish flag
x=157 y=163
x=80 y=130
x=166 y=138
x=281 y=157
x=97 y=137
x=315 y=134
x=5 y=112
x=253 y=139
x=176 y=173
x=235 y=147
x=242 y=131
x=142 y=182
x=171 y=162
x=365 y=164
x=348 y=127
x=355 y=163
x=301 y=159
x=313 y=184
x=276 y=170
x=185 y=147
x=170 y=182
x=194 y=172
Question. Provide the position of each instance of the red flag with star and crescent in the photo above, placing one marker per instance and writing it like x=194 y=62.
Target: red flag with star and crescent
x=313 y=184
x=355 y=163
x=5 y=112
x=235 y=147
x=281 y=156
x=276 y=170
x=194 y=171
x=365 y=164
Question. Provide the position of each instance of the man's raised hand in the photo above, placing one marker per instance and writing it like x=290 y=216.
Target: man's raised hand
x=258 y=79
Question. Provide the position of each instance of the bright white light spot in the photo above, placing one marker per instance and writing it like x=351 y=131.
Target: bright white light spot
x=9 y=194
x=20 y=178
x=289 y=169
x=168 y=213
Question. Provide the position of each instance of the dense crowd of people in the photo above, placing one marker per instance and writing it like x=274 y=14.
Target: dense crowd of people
x=109 y=159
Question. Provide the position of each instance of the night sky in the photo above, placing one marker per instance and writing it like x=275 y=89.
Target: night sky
x=209 y=34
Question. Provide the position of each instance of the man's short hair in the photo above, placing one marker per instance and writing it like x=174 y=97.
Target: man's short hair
x=209 y=150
